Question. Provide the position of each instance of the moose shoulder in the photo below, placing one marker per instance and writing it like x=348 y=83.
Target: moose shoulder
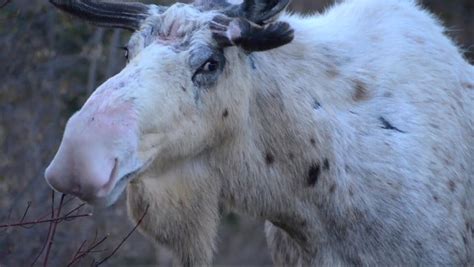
x=351 y=133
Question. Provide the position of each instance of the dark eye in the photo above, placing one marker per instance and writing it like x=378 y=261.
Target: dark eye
x=208 y=69
x=126 y=51
x=210 y=66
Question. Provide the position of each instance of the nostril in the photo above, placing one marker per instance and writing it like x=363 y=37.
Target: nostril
x=106 y=188
x=59 y=184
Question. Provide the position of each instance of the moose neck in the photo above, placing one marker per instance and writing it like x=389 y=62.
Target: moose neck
x=287 y=147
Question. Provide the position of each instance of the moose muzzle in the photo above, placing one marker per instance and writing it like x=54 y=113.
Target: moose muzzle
x=98 y=149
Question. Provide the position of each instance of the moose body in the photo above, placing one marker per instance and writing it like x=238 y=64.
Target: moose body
x=351 y=132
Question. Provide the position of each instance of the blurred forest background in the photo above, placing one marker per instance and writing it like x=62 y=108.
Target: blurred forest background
x=49 y=65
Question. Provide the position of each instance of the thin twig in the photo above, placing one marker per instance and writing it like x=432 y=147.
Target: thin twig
x=49 y=231
x=125 y=238
x=75 y=209
x=25 y=213
x=86 y=252
x=49 y=212
x=78 y=251
x=53 y=220
x=51 y=239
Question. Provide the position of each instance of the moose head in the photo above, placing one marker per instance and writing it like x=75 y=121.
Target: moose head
x=185 y=90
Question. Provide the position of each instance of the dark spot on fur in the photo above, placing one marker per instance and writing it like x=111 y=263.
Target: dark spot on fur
x=396 y=186
x=313 y=141
x=316 y=104
x=313 y=174
x=468 y=86
x=356 y=261
x=368 y=229
x=269 y=158
x=225 y=113
x=388 y=94
x=291 y=156
x=332 y=189
x=326 y=165
x=361 y=92
x=351 y=191
x=388 y=126
x=464 y=239
x=435 y=126
x=448 y=161
x=419 y=245
x=451 y=185
x=332 y=72
x=183 y=88
x=347 y=168
x=435 y=198
x=252 y=62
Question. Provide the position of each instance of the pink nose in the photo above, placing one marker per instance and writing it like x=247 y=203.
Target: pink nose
x=86 y=162
x=81 y=173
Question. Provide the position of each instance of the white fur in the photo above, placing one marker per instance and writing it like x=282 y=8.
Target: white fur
x=371 y=94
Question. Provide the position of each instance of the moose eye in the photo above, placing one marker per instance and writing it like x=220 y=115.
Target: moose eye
x=125 y=51
x=210 y=66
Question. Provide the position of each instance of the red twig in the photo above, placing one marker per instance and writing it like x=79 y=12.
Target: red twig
x=125 y=238
x=79 y=255
x=26 y=211
x=78 y=251
x=53 y=220
x=49 y=230
x=51 y=238
x=64 y=205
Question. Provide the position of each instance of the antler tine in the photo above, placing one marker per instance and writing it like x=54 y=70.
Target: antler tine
x=105 y=13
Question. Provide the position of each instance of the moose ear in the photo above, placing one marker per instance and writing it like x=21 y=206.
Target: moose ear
x=259 y=11
x=250 y=36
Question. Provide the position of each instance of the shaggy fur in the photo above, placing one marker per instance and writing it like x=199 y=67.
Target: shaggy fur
x=355 y=141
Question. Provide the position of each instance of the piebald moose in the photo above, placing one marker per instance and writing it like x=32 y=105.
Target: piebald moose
x=350 y=132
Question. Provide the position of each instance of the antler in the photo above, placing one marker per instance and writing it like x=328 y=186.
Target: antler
x=108 y=14
x=258 y=11
x=250 y=36
x=252 y=26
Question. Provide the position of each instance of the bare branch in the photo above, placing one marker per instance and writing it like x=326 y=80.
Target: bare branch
x=49 y=231
x=125 y=238
x=79 y=255
x=51 y=238
x=55 y=219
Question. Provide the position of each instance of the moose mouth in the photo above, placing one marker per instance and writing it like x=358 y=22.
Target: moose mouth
x=109 y=194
